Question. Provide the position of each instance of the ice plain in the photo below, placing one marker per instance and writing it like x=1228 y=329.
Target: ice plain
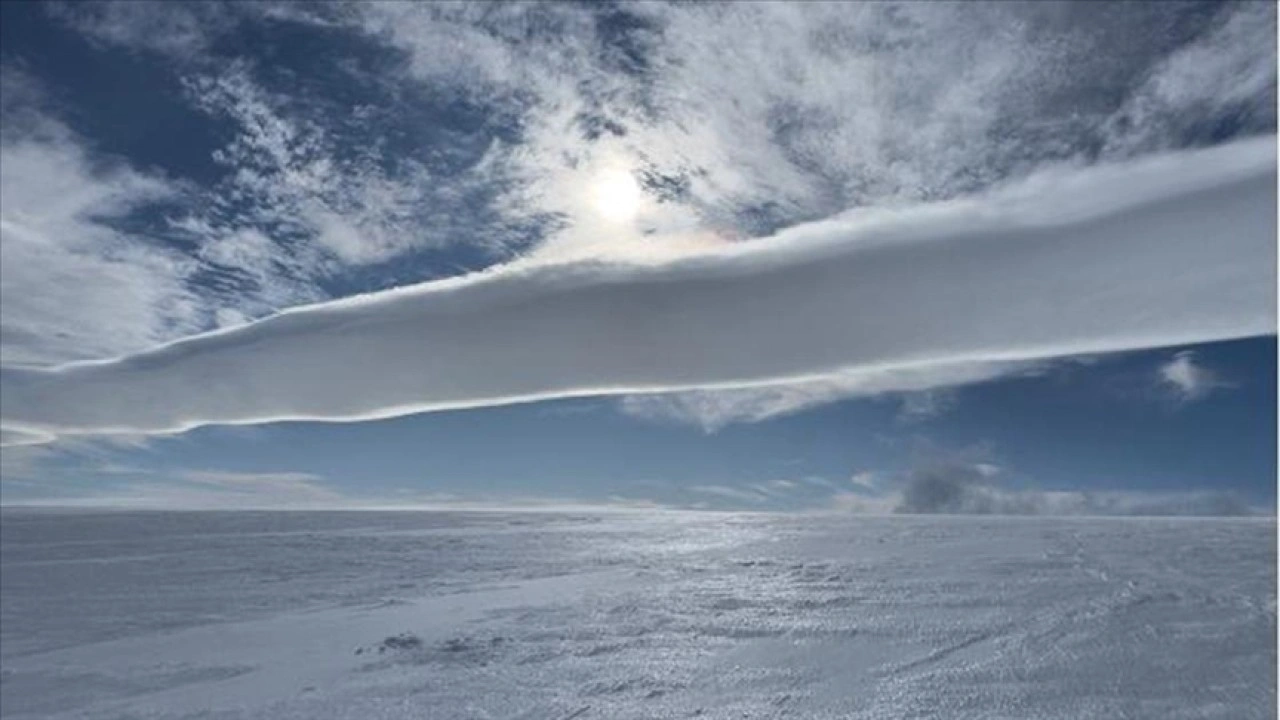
x=647 y=614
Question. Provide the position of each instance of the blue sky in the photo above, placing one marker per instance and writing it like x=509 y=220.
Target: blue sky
x=174 y=169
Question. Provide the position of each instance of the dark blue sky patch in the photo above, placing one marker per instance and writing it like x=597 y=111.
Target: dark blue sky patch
x=627 y=39
x=125 y=103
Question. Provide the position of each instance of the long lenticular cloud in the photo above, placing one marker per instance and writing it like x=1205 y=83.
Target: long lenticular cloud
x=1163 y=251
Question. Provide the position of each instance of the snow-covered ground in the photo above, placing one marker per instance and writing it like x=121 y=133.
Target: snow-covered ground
x=633 y=615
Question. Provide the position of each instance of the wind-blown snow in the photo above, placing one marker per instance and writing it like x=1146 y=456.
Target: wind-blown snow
x=649 y=615
x=1166 y=250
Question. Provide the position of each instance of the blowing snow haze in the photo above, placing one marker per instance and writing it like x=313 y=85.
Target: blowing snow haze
x=721 y=351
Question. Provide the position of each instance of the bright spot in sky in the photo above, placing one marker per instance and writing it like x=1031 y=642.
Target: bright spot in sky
x=616 y=196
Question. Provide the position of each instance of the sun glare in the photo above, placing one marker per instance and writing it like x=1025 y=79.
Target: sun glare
x=616 y=196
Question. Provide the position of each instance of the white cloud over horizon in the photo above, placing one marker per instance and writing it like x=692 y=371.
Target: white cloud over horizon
x=1187 y=379
x=140 y=488
x=958 y=484
x=967 y=488
x=945 y=488
x=1109 y=258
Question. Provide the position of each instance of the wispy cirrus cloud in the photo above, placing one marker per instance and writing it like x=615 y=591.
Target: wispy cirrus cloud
x=734 y=131
x=733 y=494
x=714 y=409
x=195 y=489
x=836 y=106
x=74 y=285
x=339 y=189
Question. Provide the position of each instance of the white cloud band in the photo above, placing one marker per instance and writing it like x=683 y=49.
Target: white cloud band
x=1163 y=251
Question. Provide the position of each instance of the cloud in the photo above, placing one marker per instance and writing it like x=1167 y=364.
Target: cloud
x=955 y=488
x=24 y=462
x=1228 y=73
x=451 y=127
x=834 y=105
x=733 y=132
x=819 y=482
x=779 y=494
x=724 y=492
x=316 y=185
x=31 y=476
x=305 y=169
x=714 y=409
x=43 y=458
x=1188 y=380
x=273 y=489
x=81 y=276
x=780 y=489
x=962 y=488
x=1096 y=260
x=198 y=489
x=926 y=405
x=962 y=484
x=72 y=284
x=860 y=503
x=866 y=480
x=12 y=437
x=177 y=30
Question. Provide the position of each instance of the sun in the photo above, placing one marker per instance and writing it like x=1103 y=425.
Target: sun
x=616 y=196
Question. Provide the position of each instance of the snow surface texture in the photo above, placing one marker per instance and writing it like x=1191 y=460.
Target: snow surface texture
x=629 y=615
x=1161 y=251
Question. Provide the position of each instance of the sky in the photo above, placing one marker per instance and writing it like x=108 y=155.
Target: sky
x=921 y=257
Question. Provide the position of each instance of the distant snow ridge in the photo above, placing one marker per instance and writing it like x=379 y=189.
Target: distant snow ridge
x=1166 y=250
